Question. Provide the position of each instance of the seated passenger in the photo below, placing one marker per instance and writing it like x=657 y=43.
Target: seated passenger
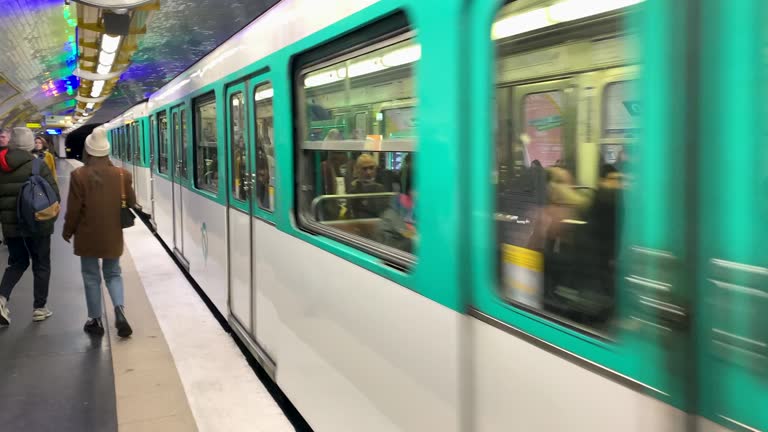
x=397 y=228
x=365 y=183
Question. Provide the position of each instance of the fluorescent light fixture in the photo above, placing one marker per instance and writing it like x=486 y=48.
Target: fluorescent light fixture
x=365 y=67
x=106 y=58
x=98 y=86
x=402 y=56
x=264 y=94
x=89 y=105
x=563 y=11
x=569 y=10
x=103 y=69
x=397 y=57
x=110 y=43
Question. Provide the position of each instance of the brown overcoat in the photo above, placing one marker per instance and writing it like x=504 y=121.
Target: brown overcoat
x=93 y=208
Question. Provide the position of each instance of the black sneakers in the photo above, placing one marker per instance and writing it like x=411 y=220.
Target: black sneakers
x=121 y=323
x=94 y=327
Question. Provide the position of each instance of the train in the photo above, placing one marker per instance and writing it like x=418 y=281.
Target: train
x=479 y=215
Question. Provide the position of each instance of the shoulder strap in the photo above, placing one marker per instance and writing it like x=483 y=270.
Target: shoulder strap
x=36 y=166
x=122 y=188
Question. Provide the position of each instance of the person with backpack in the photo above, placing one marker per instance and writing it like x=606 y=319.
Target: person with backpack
x=29 y=203
x=98 y=193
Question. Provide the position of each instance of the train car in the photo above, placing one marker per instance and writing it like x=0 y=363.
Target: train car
x=477 y=215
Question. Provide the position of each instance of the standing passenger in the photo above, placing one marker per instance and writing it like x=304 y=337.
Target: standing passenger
x=93 y=217
x=5 y=137
x=15 y=169
x=41 y=151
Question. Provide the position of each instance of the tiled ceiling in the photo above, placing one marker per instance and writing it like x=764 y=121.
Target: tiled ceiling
x=36 y=52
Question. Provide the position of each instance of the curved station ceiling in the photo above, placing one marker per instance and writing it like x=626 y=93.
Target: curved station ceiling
x=66 y=63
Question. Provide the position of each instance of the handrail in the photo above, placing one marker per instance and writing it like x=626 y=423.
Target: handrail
x=318 y=199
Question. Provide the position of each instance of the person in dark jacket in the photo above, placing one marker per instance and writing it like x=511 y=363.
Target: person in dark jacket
x=15 y=169
x=93 y=218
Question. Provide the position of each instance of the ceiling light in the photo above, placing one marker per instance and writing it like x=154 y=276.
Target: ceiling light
x=563 y=11
x=402 y=56
x=89 y=105
x=98 y=86
x=106 y=58
x=264 y=94
x=103 y=69
x=110 y=43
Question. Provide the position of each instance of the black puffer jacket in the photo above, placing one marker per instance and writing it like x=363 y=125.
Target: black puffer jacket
x=15 y=169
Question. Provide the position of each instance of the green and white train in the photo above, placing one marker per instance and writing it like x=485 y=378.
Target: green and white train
x=476 y=215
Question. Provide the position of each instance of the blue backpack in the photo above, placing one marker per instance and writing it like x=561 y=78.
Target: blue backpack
x=37 y=202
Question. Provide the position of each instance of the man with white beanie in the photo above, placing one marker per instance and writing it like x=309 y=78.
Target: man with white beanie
x=93 y=218
x=15 y=169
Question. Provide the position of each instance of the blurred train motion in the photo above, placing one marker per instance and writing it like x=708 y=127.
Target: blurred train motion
x=475 y=215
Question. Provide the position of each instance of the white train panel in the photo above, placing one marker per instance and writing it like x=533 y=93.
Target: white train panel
x=267 y=296
x=239 y=267
x=519 y=386
x=164 y=209
x=285 y=23
x=356 y=343
x=205 y=246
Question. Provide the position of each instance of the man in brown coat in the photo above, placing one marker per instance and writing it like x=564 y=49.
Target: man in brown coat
x=93 y=217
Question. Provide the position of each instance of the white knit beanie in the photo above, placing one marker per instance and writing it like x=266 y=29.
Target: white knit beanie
x=96 y=144
x=23 y=139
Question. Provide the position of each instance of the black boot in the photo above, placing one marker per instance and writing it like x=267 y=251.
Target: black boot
x=94 y=327
x=121 y=323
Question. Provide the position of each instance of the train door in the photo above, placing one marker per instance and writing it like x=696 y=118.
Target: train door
x=239 y=208
x=136 y=136
x=152 y=159
x=262 y=156
x=179 y=147
x=732 y=262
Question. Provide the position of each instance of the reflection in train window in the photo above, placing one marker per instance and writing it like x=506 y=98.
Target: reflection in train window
x=265 y=147
x=206 y=150
x=560 y=179
x=239 y=156
x=162 y=143
x=359 y=136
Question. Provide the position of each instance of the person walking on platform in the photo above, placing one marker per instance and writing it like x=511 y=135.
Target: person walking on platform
x=93 y=218
x=41 y=151
x=16 y=167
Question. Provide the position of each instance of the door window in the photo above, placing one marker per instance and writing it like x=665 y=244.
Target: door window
x=239 y=158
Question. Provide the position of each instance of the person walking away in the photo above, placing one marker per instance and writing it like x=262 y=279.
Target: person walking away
x=16 y=167
x=41 y=151
x=5 y=137
x=93 y=218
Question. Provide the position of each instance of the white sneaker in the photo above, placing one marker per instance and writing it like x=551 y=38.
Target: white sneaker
x=41 y=314
x=5 y=314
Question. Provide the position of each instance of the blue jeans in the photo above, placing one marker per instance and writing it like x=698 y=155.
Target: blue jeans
x=110 y=268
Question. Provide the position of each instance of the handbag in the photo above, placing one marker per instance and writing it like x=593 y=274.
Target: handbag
x=127 y=218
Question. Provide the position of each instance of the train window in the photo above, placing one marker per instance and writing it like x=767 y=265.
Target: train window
x=152 y=126
x=137 y=135
x=557 y=201
x=131 y=138
x=239 y=164
x=184 y=139
x=162 y=143
x=355 y=170
x=206 y=150
x=265 y=148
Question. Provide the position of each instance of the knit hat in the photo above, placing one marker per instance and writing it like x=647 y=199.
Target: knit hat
x=96 y=144
x=23 y=139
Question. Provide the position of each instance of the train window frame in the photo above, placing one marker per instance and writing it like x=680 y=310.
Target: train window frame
x=233 y=190
x=184 y=134
x=261 y=89
x=152 y=142
x=198 y=102
x=163 y=169
x=399 y=259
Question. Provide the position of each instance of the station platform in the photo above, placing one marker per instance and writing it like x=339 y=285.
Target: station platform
x=180 y=371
